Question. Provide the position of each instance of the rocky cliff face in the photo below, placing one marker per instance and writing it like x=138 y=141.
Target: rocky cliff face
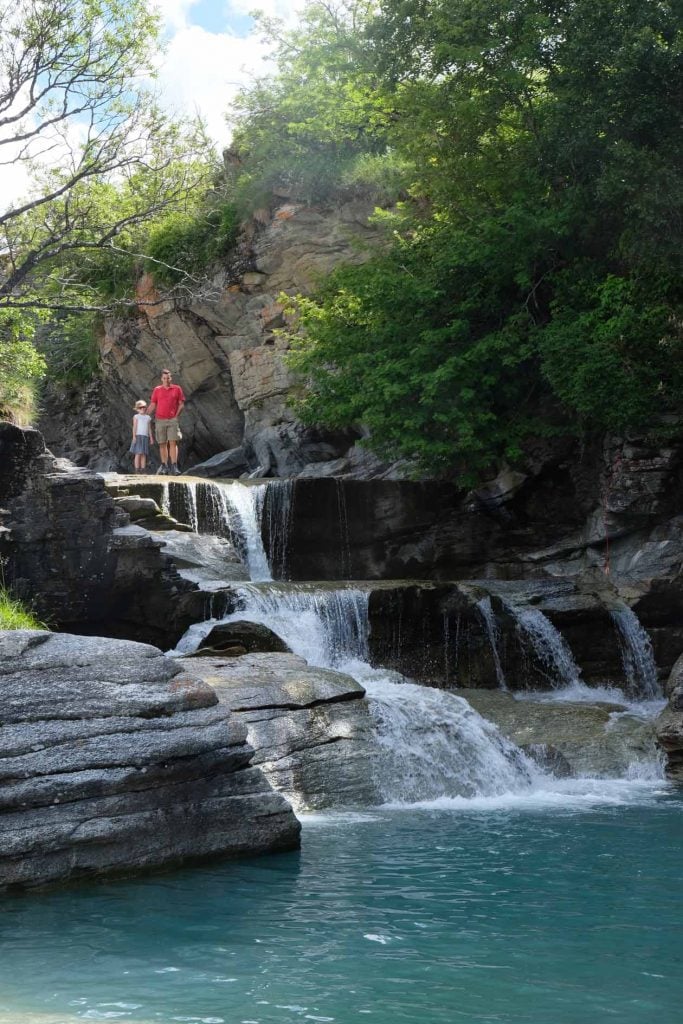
x=70 y=553
x=113 y=761
x=223 y=350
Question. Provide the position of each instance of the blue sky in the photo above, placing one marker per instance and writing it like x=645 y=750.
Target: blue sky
x=212 y=51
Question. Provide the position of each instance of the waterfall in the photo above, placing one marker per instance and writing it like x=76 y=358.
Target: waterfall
x=326 y=626
x=491 y=625
x=235 y=510
x=345 y=544
x=637 y=657
x=549 y=646
x=191 y=494
x=165 y=499
x=279 y=502
x=434 y=745
x=430 y=743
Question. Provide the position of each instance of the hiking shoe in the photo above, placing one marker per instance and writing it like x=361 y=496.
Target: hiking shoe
x=162 y=470
x=173 y=470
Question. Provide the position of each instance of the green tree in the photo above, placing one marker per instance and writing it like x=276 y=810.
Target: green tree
x=21 y=367
x=540 y=257
x=304 y=127
x=100 y=157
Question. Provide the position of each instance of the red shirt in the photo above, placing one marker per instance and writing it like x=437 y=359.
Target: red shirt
x=166 y=401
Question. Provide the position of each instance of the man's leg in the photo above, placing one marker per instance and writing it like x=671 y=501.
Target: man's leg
x=163 y=452
x=173 y=452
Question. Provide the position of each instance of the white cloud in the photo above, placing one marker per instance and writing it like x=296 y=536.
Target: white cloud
x=175 y=13
x=203 y=70
x=285 y=9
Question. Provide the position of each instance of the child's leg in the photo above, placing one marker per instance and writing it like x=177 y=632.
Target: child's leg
x=137 y=461
x=143 y=462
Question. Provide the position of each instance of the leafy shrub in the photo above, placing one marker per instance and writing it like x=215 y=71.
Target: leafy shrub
x=185 y=244
x=69 y=345
x=21 y=368
x=382 y=177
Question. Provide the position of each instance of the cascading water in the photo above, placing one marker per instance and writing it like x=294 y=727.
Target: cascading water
x=279 y=503
x=549 y=646
x=491 y=625
x=637 y=656
x=430 y=743
x=245 y=503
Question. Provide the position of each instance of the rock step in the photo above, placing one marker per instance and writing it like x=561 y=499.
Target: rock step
x=112 y=760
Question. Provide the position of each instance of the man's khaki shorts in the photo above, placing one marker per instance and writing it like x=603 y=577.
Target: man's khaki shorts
x=166 y=430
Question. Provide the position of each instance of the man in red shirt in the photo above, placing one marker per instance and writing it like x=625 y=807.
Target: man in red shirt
x=167 y=402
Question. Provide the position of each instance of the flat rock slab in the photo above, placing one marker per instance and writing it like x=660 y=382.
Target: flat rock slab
x=113 y=759
x=310 y=727
x=596 y=738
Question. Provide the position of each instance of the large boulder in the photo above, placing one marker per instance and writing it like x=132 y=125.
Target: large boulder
x=670 y=723
x=582 y=739
x=112 y=759
x=310 y=727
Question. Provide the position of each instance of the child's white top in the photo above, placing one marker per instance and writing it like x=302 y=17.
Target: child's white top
x=141 y=420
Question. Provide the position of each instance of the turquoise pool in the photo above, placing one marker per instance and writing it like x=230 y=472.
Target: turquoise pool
x=515 y=913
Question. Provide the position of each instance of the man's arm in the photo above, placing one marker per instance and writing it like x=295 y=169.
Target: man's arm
x=150 y=408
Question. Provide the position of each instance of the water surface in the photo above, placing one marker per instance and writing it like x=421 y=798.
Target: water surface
x=513 y=910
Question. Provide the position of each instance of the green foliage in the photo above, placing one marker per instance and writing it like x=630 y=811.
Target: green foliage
x=69 y=344
x=612 y=353
x=533 y=280
x=14 y=615
x=21 y=367
x=184 y=245
x=427 y=348
x=381 y=177
x=303 y=128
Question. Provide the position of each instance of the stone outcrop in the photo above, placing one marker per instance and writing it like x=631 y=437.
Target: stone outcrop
x=112 y=759
x=310 y=727
x=73 y=555
x=591 y=739
x=222 y=347
x=670 y=723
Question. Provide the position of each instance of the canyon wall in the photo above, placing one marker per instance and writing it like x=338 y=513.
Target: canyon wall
x=223 y=349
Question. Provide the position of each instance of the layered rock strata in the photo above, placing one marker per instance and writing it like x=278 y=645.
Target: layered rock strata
x=72 y=554
x=112 y=759
x=222 y=347
x=310 y=727
x=670 y=724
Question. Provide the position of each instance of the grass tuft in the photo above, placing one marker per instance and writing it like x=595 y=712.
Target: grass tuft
x=14 y=615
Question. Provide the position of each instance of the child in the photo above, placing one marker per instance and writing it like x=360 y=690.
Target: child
x=142 y=436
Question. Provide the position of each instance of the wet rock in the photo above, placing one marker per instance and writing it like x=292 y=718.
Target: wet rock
x=66 y=553
x=207 y=560
x=251 y=636
x=595 y=739
x=114 y=760
x=670 y=723
x=549 y=759
x=310 y=727
x=146 y=513
x=233 y=463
